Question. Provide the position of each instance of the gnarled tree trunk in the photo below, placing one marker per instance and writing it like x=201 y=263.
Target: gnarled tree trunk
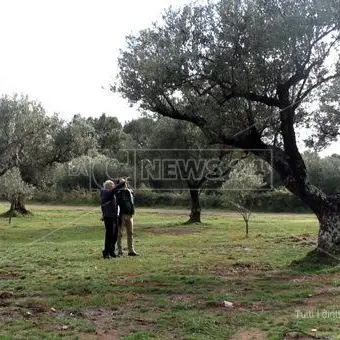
x=329 y=227
x=195 y=210
x=17 y=209
x=326 y=208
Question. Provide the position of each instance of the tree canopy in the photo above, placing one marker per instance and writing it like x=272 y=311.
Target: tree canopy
x=246 y=73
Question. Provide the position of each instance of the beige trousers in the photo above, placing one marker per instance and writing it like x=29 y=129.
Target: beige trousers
x=127 y=223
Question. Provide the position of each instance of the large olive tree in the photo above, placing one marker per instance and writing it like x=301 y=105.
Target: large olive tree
x=245 y=72
x=33 y=141
x=196 y=165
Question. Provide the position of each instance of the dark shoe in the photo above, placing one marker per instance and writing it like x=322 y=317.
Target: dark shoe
x=113 y=255
x=133 y=254
x=106 y=255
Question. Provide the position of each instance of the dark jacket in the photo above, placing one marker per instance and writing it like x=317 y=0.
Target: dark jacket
x=108 y=201
x=125 y=201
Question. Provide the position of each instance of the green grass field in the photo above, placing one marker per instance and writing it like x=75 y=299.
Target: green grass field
x=54 y=283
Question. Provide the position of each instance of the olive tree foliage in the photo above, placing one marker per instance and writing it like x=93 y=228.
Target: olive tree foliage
x=89 y=172
x=140 y=131
x=14 y=189
x=109 y=134
x=35 y=142
x=190 y=162
x=238 y=190
x=324 y=172
x=21 y=121
x=245 y=73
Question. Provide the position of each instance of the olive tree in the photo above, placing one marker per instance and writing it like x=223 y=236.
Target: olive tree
x=109 y=134
x=33 y=141
x=198 y=165
x=324 y=172
x=175 y=155
x=245 y=72
x=14 y=190
x=238 y=190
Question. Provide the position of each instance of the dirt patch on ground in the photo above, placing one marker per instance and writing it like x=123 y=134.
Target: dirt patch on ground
x=104 y=321
x=253 y=307
x=10 y=313
x=173 y=231
x=175 y=298
x=326 y=297
x=9 y=276
x=299 y=336
x=5 y=296
x=238 y=268
x=301 y=278
x=304 y=240
x=152 y=284
x=111 y=323
x=250 y=334
x=257 y=306
x=111 y=335
x=250 y=267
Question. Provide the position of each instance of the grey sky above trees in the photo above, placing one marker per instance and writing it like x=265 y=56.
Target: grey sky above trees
x=71 y=48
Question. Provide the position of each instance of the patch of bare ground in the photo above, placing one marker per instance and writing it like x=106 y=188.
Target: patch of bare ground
x=256 y=306
x=251 y=307
x=111 y=324
x=144 y=284
x=10 y=313
x=26 y=305
x=326 y=296
x=249 y=334
x=241 y=268
x=98 y=336
x=299 y=336
x=304 y=239
x=172 y=231
x=186 y=298
x=9 y=276
x=104 y=322
x=322 y=280
x=4 y=296
x=301 y=278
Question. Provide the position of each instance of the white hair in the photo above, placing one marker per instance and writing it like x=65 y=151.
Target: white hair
x=107 y=183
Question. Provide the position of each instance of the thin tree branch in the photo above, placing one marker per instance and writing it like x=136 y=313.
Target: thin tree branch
x=313 y=87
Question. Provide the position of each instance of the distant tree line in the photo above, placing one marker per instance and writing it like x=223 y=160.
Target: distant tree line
x=46 y=158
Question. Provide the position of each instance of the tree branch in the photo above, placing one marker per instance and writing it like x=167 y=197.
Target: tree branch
x=172 y=112
x=313 y=87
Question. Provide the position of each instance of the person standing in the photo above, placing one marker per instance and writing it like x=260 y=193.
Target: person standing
x=125 y=220
x=109 y=215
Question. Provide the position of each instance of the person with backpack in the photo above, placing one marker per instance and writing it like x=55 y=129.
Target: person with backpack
x=110 y=215
x=125 y=219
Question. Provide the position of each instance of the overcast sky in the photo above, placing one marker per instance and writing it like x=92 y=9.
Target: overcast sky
x=64 y=52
